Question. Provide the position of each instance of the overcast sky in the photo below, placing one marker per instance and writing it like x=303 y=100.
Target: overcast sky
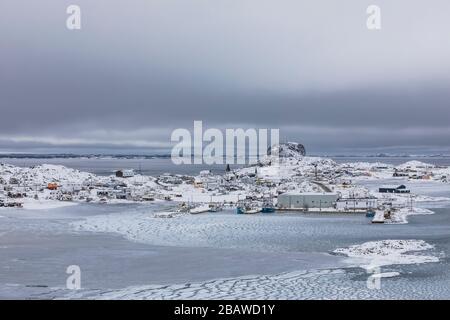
x=139 y=69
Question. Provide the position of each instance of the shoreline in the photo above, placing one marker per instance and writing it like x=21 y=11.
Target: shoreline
x=108 y=240
x=291 y=270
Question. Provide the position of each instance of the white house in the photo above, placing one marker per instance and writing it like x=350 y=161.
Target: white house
x=125 y=173
x=205 y=172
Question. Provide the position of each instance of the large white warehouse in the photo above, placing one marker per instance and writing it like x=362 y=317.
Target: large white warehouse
x=307 y=200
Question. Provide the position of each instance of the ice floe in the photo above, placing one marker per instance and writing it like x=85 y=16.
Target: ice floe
x=389 y=252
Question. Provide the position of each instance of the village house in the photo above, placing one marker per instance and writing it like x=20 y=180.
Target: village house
x=198 y=183
x=394 y=189
x=52 y=186
x=398 y=173
x=124 y=173
x=13 y=180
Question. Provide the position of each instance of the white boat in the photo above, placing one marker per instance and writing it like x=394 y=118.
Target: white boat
x=252 y=210
x=215 y=207
x=379 y=217
x=200 y=209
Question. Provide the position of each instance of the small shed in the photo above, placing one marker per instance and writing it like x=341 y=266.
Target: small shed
x=52 y=186
x=124 y=173
x=394 y=189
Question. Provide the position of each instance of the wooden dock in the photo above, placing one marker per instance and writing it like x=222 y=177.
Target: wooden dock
x=325 y=211
x=379 y=217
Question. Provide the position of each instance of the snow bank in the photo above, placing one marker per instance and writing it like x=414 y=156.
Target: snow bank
x=28 y=203
x=388 y=252
x=401 y=215
x=423 y=198
x=366 y=165
x=414 y=164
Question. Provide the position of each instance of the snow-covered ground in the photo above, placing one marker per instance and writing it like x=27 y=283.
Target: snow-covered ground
x=401 y=215
x=197 y=246
x=39 y=186
x=43 y=204
x=312 y=284
x=388 y=252
x=315 y=236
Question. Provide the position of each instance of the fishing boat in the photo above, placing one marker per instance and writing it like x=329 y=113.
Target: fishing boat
x=215 y=207
x=183 y=207
x=199 y=209
x=248 y=210
x=370 y=214
x=378 y=217
x=268 y=209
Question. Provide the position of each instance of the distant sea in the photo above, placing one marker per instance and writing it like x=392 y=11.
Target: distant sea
x=436 y=160
x=156 y=165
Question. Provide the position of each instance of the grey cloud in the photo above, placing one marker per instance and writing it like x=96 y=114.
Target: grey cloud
x=139 y=69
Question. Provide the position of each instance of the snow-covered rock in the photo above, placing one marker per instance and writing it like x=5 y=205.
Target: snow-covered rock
x=288 y=150
x=388 y=252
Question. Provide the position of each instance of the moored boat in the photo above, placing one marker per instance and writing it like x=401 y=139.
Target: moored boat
x=200 y=209
x=248 y=210
x=215 y=207
x=378 y=217
x=370 y=214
